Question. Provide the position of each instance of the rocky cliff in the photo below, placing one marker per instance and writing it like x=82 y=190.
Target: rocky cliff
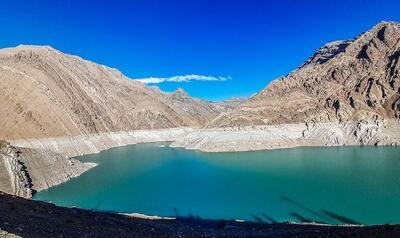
x=24 y=171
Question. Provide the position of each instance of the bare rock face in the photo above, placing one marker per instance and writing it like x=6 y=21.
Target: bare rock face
x=24 y=171
x=344 y=81
x=45 y=93
x=15 y=178
x=327 y=52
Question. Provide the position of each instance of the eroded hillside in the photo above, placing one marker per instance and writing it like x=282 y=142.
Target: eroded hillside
x=46 y=93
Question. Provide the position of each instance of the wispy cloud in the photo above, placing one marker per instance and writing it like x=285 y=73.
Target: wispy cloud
x=183 y=78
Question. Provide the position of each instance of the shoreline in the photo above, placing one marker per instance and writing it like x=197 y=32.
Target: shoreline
x=286 y=136
x=234 y=139
x=57 y=153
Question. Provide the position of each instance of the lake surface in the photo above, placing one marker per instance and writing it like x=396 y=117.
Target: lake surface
x=331 y=185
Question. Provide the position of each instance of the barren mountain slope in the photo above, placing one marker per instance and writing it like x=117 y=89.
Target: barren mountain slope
x=45 y=93
x=343 y=81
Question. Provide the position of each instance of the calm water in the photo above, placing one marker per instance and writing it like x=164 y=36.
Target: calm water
x=330 y=185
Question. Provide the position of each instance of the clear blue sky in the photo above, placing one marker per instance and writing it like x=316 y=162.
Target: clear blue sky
x=252 y=42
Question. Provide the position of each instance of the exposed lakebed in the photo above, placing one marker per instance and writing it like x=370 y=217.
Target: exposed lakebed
x=332 y=185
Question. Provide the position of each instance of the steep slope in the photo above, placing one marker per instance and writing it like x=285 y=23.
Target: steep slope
x=343 y=81
x=45 y=93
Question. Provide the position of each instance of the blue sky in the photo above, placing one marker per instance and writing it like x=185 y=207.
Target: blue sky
x=236 y=46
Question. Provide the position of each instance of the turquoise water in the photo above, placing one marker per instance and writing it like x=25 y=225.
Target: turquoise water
x=330 y=185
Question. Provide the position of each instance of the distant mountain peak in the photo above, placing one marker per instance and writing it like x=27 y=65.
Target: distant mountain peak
x=180 y=94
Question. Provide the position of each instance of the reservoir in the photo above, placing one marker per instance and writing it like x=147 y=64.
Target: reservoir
x=333 y=185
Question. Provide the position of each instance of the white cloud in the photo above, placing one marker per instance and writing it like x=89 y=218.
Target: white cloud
x=182 y=78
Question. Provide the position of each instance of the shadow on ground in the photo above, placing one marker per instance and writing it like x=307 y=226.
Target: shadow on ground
x=28 y=218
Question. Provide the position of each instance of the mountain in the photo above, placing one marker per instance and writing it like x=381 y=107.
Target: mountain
x=343 y=81
x=55 y=106
x=46 y=93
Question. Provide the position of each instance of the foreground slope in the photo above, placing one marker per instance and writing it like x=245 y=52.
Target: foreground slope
x=27 y=218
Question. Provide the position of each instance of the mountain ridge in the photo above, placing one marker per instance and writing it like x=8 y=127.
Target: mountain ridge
x=328 y=91
x=47 y=93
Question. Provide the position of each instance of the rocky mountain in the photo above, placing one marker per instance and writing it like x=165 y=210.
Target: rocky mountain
x=343 y=81
x=46 y=93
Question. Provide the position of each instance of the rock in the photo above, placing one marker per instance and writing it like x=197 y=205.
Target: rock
x=25 y=171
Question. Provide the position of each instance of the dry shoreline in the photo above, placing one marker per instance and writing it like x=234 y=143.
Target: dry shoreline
x=267 y=137
x=45 y=162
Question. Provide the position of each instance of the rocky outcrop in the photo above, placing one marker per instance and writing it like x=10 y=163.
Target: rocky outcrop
x=25 y=171
x=16 y=177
